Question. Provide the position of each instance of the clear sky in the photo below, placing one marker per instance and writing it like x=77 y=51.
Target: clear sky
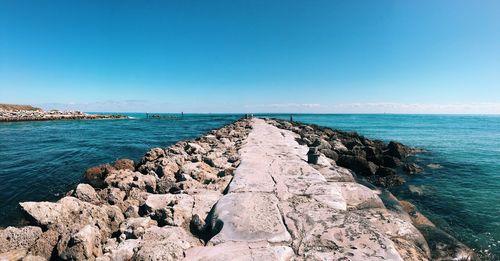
x=252 y=56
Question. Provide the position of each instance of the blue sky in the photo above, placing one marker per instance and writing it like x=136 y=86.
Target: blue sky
x=252 y=56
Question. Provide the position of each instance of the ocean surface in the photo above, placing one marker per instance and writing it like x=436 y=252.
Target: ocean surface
x=459 y=189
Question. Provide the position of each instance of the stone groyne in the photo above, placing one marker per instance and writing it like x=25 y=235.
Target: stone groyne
x=40 y=115
x=245 y=192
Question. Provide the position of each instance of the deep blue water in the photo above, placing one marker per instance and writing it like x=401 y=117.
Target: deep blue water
x=460 y=192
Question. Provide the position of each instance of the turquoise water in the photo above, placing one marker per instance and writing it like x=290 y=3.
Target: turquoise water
x=460 y=192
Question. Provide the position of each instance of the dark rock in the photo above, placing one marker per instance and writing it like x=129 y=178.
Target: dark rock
x=443 y=246
x=95 y=176
x=358 y=164
x=398 y=150
x=391 y=162
x=374 y=154
x=384 y=172
x=412 y=168
x=359 y=151
x=330 y=154
x=350 y=144
x=387 y=181
x=125 y=164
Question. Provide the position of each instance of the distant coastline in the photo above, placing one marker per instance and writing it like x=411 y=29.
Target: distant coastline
x=14 y=113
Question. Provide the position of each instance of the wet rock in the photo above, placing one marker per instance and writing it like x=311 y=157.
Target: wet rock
x=86 y=193
x=387 y=181
x=12 y=238
x=384 y=172
x=125 y=164
x=416 y=217
x=391 y=162
x=374 y=155
x=95 y=176
x=82 y=245
x=398 y=150
x=358 y=164
x=412 y=168
x=443 y=246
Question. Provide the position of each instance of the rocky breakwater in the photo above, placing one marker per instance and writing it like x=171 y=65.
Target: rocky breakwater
x=379 y=165
x=9 y=115
x=150 y=210
x=243 y=192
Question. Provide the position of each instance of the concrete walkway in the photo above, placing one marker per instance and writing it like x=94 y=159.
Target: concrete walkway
x=279 y=207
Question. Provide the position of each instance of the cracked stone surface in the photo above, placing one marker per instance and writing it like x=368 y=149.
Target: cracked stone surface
x=279 y=207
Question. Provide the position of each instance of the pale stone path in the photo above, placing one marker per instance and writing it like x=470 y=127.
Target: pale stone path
x=279 y=207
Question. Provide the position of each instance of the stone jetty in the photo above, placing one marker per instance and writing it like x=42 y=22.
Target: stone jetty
x=13 y=113
x=242 y=192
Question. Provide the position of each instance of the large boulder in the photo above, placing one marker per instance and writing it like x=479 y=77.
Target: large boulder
x=70 y=214
x=398 y=150
x=358 y=164
x=45 y=244
x=12 y=238
x=391 y=161
x=85 y=244
x=86 y=193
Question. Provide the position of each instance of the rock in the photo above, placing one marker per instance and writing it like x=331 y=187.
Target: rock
x=412 y=168
x=45 y=244
x=217 y=162
x=166 y=167
x=86 y=193
x=153 y=154
x=70 y=213
x=193 y=148
x=95 y=176
x=82 y=245
x=387 y=181
x=17 y=254
x=127 y=179
x=398 y=150
x=125 y=164
x=374 y=154
x=338 y=146
x=330 y=154
x=321 y=144
x=165 y=184
x=199 y=171
x=358 y=196
x=416 y=217
x=444 y=246
x=384 y=172
x=169 y=209
x=165 y=243
x=358 y=165
x=134 y=228
x=113 y=196
x=391 y=162
x=12 y=238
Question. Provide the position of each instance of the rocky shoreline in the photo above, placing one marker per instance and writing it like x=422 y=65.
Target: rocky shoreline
x=242 y=191
x=40 y=115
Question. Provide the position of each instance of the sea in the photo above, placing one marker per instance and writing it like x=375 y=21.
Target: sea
x=459 y=189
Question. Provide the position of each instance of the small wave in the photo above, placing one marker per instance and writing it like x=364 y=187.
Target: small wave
x=434 y=166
